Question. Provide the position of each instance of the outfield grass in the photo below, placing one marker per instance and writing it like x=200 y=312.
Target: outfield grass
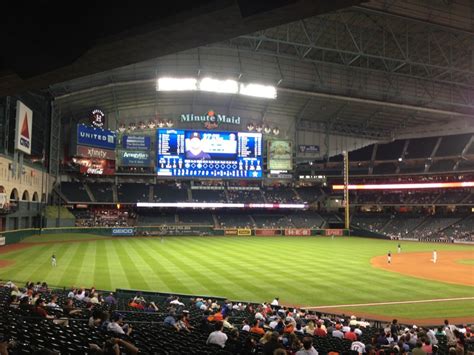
x=302 y=271
x=466 y=261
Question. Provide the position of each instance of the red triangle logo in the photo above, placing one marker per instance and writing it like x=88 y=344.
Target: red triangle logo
x=24 y=128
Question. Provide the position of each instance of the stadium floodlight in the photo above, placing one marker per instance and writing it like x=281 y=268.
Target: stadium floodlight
x=176 y=84
x=220 y=86
x=257 y=90
x=429 y=185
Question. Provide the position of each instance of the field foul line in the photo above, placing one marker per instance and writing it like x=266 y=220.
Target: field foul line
x=390 y=303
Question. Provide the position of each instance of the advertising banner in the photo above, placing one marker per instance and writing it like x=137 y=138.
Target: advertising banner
x=230 y=232
x=267 y=232
x=100 y=167
x=2 y=240
x=280 y=155
x=338 y=232
x=97 y=153
x=123 y=231
x=136 y=142
x=244 y=231
x=308 y=149
x=298 y=232
x=95 y=137
x=134 y=158
x=24 y=125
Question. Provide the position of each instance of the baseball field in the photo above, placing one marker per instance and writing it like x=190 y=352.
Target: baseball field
x=349 y=274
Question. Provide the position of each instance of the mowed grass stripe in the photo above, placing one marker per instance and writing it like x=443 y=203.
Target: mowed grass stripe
x=101 y=269
x=147 y=268
x=241 y=270
x=228 y=281
x=191 y=276
x=167 y=278
x=132 y=273
x=86 y=274
x=73 y=268
x=116 y=273
x=43 y=263
x=63 y=260
x=25 y=265
x=256 y=266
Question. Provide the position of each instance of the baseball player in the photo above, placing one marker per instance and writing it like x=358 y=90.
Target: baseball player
x=53 y=260
x=389 y=257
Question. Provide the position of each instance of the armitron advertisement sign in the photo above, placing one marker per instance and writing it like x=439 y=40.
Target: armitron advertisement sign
x=24 y=126
x=244 y=231
x=298 y=232
x=96 y=153
x=230 y=232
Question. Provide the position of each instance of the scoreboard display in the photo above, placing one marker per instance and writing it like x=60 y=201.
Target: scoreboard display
x=205 y=154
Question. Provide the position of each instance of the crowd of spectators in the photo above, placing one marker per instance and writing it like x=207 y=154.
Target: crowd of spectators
x=97 y=322
x=104 y=218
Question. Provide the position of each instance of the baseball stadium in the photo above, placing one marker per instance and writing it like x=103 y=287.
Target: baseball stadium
x=296 y=179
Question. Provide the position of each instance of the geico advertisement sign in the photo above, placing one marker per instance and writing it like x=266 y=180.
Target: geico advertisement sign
x=123 y=231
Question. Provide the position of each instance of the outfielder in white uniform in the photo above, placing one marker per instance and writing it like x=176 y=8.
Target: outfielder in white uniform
x=435 y=256
x=53 y=260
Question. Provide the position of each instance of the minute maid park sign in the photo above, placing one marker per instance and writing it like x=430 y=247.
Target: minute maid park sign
x=211 y=117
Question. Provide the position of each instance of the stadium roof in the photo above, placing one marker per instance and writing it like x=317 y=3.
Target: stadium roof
x=380 y=70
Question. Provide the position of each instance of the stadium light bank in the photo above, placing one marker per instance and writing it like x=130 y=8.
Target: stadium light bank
x=228 y=86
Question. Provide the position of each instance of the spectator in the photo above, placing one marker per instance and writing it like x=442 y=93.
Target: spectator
x=217 y=337
x=112 y=346
x=358 y=346
x=170 y=322
x=233 y=344
x=308 y=348
x=117 y=326
x=418 y=349
x=245 y=326
x=110 y=299
x=256 y=328
x=272 y=344
x=320 y=332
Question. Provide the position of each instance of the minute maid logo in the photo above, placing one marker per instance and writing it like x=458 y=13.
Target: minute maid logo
x=24 y=124
x=211 y=118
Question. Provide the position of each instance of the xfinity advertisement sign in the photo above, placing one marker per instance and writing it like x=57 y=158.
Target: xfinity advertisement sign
x=95 y=137
x=133 y=158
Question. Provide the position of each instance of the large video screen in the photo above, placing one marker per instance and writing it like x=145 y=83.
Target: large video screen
x=206 y=154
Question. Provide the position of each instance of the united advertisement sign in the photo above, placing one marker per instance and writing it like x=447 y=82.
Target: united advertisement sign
x=136 y=142
x=134 y=158
x=24 y=125
x=95 y=137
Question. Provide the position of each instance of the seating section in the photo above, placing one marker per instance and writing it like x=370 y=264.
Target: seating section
x=272 y=221
x=452 y=196
x=196 y=218
x=234 y=220
x=155 y=218
x=401 y=225
x=102 y=191
x=169 y=193
x=433 y=225
x=74 y=192
x=462 y=230
x=281 y=195
x=245 y=196
x=150 y=332
x=372 y=223
x=132 y=193
x=209 y=196
x=309 y=194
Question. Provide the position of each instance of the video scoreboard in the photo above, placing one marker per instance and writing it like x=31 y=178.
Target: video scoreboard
x=204 y=154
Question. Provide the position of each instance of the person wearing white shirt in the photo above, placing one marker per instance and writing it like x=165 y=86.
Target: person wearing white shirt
x=358 y=346
x=274 y=323
x=177 y=302
x=246 y=326
x=308 y=348
x=275 y=302
x=217 y=337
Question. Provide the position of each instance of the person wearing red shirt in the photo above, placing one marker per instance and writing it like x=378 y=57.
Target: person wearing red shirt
x=351 y=335
x=320 y=332
x=256 y=329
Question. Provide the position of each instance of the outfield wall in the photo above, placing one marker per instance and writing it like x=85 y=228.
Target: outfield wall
x=16 y=236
